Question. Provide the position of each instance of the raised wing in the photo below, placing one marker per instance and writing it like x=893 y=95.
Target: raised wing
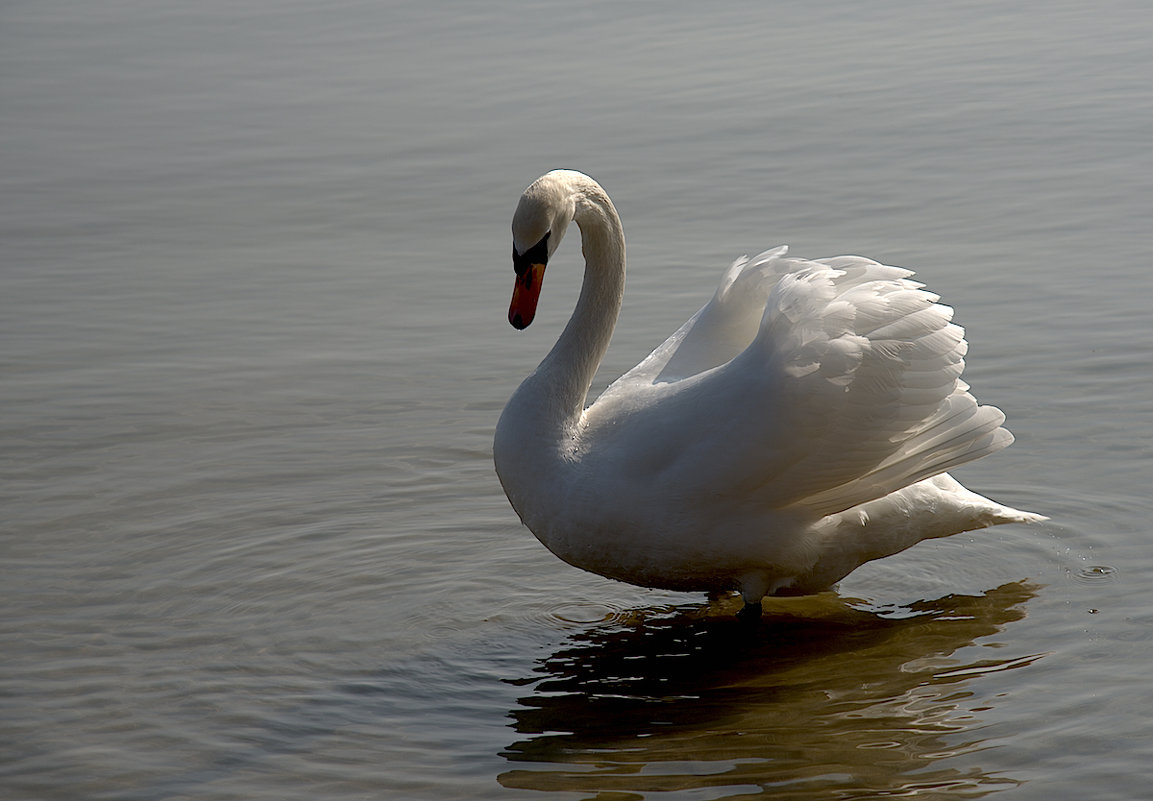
x=719 y=330
x=847 y=389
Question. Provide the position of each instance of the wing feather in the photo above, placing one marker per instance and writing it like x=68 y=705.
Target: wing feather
x=814 y=385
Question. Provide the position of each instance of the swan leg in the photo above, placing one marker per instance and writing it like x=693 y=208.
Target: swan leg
x=750 y=612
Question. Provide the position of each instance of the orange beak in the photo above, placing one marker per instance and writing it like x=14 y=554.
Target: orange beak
x=525 y=294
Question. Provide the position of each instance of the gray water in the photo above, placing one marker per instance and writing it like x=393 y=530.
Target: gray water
x=255 y=271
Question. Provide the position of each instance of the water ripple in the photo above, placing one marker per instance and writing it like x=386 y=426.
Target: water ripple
x=1091 y=574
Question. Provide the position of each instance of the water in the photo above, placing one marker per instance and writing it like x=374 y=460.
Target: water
x=255 y=277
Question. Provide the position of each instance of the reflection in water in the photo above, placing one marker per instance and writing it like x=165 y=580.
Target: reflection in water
x=817 y=700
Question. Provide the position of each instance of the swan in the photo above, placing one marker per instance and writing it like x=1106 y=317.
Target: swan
x=800 y=424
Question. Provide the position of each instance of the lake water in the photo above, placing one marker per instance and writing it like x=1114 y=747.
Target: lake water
x=255 y=275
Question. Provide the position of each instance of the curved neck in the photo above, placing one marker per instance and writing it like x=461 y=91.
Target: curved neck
x=564 y=377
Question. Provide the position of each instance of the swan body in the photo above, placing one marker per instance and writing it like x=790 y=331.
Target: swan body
x=797 y=426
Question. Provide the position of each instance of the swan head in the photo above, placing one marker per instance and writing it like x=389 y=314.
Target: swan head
x=543 y=215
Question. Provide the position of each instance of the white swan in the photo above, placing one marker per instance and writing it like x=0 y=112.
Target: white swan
x=797 y=426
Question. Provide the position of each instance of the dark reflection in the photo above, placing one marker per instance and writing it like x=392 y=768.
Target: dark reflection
x=818 y=700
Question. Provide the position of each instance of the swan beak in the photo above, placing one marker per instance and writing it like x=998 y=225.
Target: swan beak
x=525 y=294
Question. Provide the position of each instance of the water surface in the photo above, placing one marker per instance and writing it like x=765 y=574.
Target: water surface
x=255 y=275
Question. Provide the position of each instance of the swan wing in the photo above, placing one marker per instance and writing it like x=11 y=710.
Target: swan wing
x=719 y=330
x=849 y=390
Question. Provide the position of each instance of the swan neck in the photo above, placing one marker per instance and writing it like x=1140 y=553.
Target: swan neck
x=572 y=364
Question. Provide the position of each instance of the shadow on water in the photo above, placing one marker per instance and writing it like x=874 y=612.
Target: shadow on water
x=819 y=699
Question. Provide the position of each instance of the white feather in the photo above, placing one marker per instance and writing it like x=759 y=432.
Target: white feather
x=798 y=425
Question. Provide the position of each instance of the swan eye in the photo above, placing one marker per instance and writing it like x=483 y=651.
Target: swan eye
x=537 y=254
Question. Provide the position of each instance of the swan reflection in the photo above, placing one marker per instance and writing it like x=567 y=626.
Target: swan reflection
x=818 y=699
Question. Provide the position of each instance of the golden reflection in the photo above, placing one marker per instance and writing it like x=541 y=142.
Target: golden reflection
x=819 y=699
